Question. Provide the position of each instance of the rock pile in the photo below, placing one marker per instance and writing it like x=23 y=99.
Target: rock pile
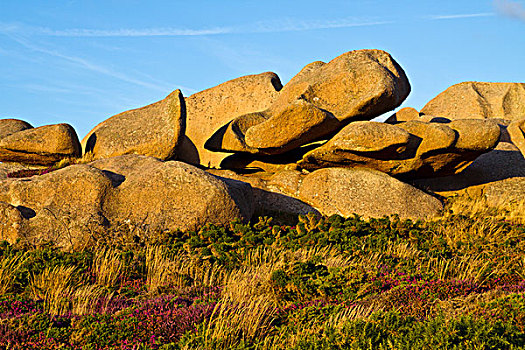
x=307 y=146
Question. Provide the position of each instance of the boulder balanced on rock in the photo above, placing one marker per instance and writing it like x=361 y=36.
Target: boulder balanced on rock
x=411 y=149
x=318 y=101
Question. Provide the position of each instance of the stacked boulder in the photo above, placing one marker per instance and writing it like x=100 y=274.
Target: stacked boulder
x=45 y=145
x=251 y=145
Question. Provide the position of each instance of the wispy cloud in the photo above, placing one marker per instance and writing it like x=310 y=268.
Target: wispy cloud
x=274 y=26
x=294 y=25
x=462 y=15
x=510 y=8
x=270 y=26
x=85 y=64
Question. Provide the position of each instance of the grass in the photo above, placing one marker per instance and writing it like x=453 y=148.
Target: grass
x=324 y=283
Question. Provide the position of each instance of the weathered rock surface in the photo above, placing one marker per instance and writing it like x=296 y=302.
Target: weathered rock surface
x=506 y=192
x=158 y=196
x=11 y=126
x=64 y=206
x=44 y=145
x=516 y=132
x=504 y=162
x=153 y=130
x=409 y=150
x=366 y=192
x=479 y=100
x=210 y=109
x=357 y=85
x=12 y=223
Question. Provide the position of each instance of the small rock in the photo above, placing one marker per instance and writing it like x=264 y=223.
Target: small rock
x=403 y=115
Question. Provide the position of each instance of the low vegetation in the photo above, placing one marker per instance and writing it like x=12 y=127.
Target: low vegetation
x=324 y=283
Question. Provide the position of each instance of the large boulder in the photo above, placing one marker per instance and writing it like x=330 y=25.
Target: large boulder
x=410 y=150
x=154 y=130
x=479 y=100
x=210 y=109
x=64 y=206
x=358 y=85
x=157 y=196
x=11 y=126
x=318 y=101
x=365 y=192
x=44 y=145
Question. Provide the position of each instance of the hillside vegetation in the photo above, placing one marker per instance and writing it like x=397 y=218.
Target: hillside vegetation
x=324 y=283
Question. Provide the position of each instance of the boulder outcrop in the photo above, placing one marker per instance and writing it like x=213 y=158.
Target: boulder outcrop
x=77 y=205
x=318 y=101
x=479 y=100
x=44 y=145
x=64 y=206
x=154 y=130
x=502 y=163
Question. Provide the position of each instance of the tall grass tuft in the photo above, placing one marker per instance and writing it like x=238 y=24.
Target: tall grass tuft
x=55 y=287
x=8 y=268
x=234 y=324
x=158 y=266
x=108 y=268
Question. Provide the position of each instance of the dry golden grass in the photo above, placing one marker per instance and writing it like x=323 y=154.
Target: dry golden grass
x=108 y=267
x=86 y=158
x=230 y=324
x=55 y=286
x=478 y=207
x=158 y=266
x=85 y=299
x=8 y=268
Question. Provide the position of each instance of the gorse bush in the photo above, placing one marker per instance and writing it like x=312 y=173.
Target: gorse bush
x=323 y=283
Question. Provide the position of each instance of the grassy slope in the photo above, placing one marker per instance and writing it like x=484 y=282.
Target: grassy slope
x=456 y=282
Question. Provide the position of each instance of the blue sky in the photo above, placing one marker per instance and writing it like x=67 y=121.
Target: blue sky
x=80 y=62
